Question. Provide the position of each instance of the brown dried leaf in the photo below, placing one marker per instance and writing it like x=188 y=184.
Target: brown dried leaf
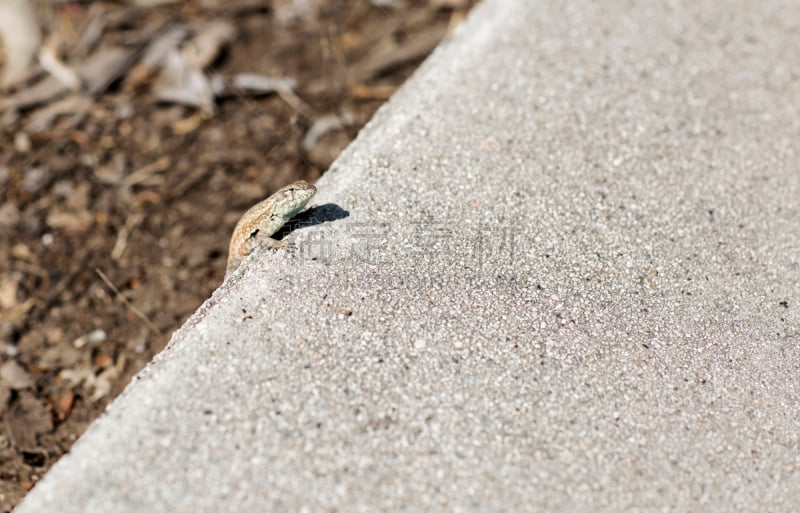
x=62 y=404
x=189 y=124
x=378 y=92
x=103 y=360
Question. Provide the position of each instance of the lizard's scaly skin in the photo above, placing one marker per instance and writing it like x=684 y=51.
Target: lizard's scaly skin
x=264 y=219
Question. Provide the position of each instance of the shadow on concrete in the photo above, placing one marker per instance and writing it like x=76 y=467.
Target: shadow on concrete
x=314 y=216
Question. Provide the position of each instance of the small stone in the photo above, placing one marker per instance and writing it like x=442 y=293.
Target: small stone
x=22 y=252
x=22 y=143
x=92 y=338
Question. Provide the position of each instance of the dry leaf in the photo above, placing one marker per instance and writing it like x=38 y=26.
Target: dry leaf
x=62 y=404
x=21 y=37
x=155 y=56
x=182 y=83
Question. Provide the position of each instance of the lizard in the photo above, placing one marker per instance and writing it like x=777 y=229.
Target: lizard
x=257 y=226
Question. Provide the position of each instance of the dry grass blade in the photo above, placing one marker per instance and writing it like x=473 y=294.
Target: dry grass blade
x=122 y=237
x=138 y=313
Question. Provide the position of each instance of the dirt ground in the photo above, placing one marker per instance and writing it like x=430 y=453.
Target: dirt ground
x=117 y=202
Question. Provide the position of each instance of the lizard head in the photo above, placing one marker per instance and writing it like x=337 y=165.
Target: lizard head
x=293 y=198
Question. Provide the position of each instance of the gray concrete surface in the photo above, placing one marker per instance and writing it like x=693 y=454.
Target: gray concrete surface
x=568 y=280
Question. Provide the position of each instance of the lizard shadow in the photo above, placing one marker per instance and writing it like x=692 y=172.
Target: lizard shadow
x=313 y=216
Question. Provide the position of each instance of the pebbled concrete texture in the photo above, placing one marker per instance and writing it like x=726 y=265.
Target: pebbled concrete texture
x=559 y=271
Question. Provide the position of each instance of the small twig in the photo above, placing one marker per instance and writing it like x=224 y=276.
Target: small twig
x=135 y=310
x=122 y=236
x=147 y=174
x=294 y=101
